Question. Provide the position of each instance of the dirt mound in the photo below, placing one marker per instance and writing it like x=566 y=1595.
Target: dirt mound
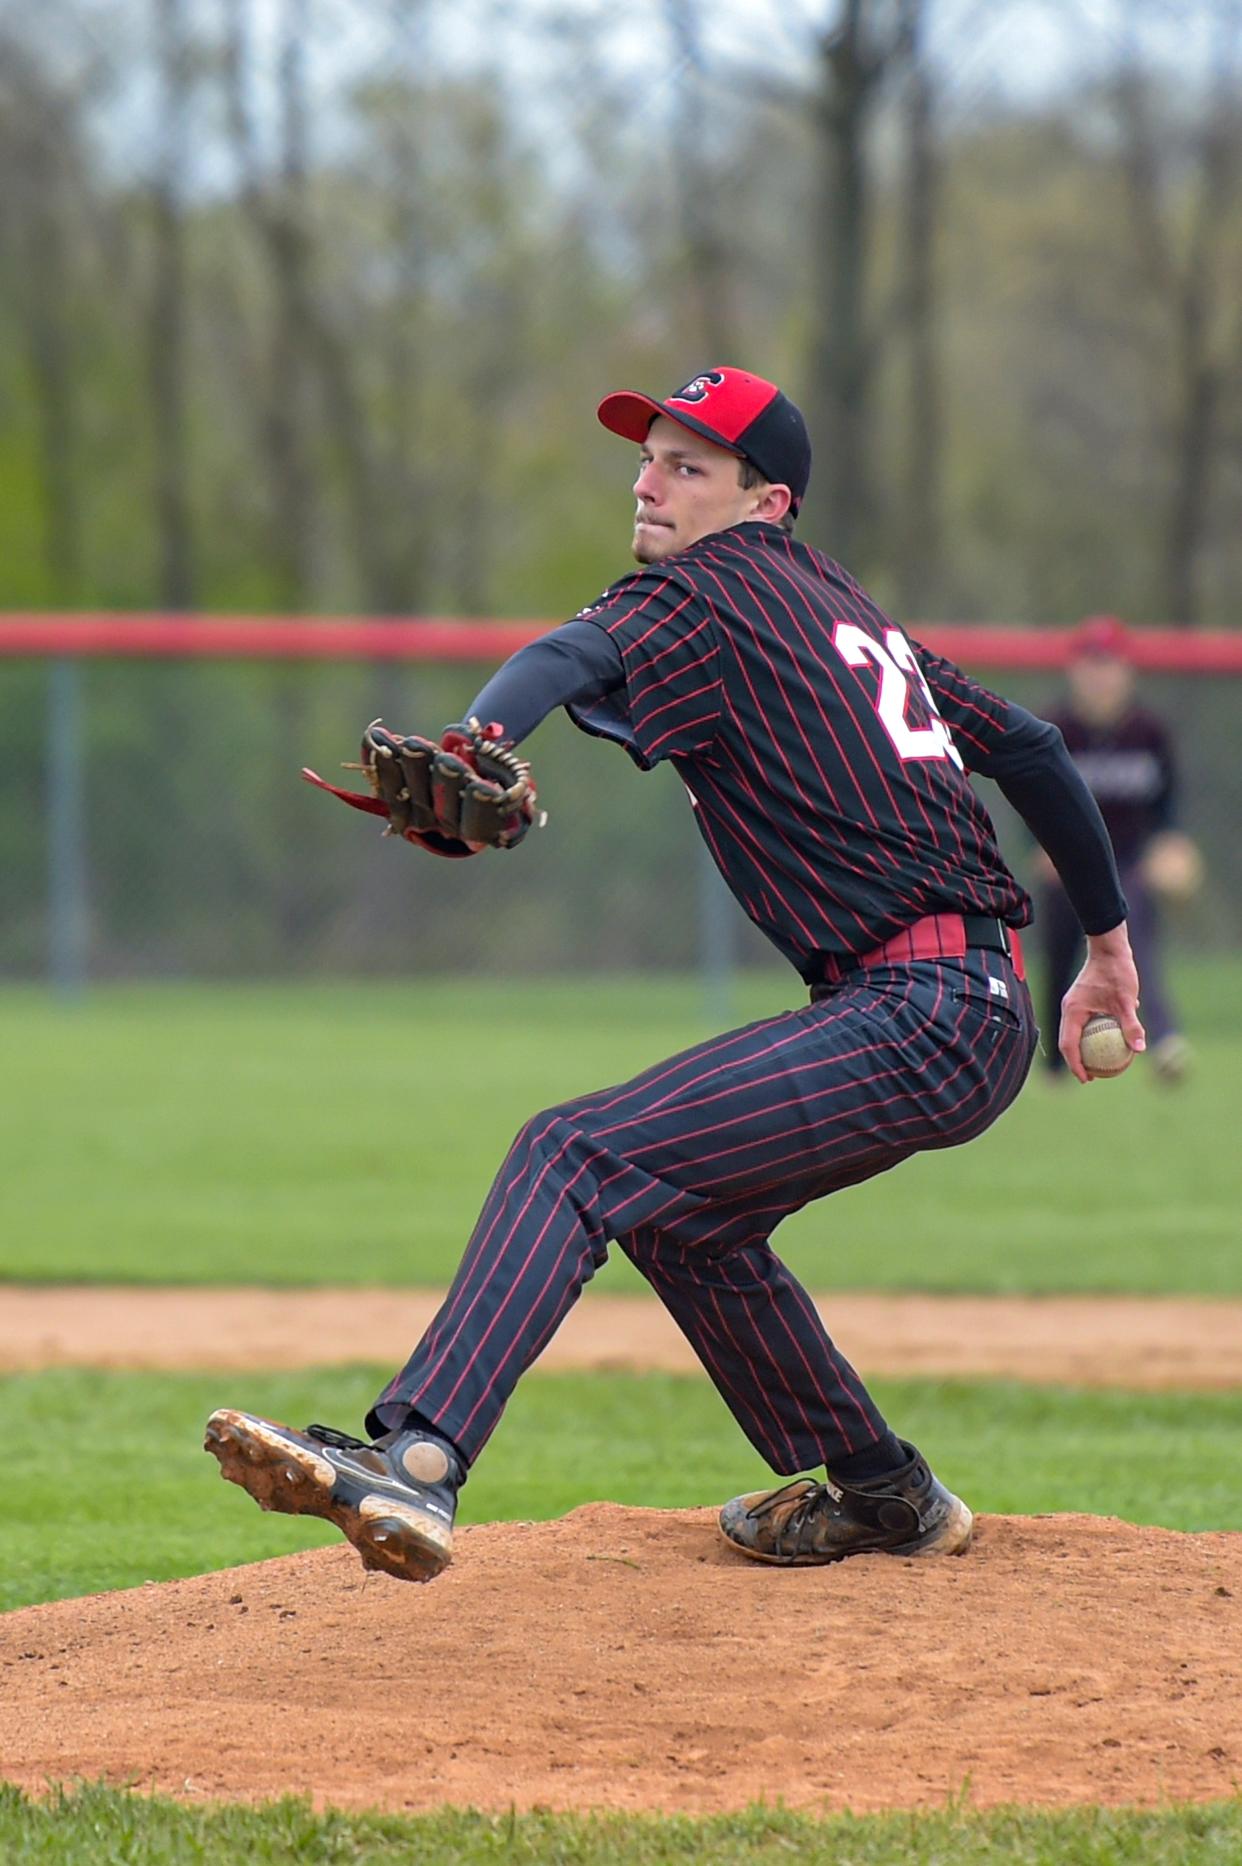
x=1097 y=1341
x=622 y=1658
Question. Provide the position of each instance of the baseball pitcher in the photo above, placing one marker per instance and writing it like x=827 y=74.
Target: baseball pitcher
x=827 y=758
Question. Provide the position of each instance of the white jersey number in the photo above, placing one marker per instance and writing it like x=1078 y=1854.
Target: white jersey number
x=898 y=664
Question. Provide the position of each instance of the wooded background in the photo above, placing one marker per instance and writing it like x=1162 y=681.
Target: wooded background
x=306 y=304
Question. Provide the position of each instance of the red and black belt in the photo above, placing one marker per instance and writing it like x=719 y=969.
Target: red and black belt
x=936 y=936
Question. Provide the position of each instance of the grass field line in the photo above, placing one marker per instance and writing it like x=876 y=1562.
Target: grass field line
x=1151 y=1343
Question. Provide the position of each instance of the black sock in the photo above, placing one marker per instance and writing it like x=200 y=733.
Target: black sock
x=861 y=1467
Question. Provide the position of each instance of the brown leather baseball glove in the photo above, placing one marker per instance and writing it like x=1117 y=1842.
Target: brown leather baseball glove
x=468 y=793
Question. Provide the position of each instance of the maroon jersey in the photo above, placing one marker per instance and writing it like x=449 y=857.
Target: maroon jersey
x=1128 y=768
x=826 y=753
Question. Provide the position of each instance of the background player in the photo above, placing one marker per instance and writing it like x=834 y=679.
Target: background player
x=824 y=754
x=1125 y=754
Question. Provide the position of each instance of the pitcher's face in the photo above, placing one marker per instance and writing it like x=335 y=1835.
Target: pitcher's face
x=687 y=488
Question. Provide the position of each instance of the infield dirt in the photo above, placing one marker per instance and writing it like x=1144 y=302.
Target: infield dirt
x=1148 y=1342
x=623 y=1658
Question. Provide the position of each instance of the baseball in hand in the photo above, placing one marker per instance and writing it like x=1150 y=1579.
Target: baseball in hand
x=1105 y=1051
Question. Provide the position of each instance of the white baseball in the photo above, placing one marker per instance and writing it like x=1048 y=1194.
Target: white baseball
x=1105 y=1051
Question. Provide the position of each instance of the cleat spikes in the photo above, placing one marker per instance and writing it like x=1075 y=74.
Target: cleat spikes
x=398 y=1528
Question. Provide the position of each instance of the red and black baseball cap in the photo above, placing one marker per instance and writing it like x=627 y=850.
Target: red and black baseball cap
x=739 y=412
x=1101 y=637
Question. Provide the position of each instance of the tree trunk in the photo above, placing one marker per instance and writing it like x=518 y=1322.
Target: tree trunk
x=168 y=319
x=292 y=489
x=841 y=361
x=706 y=257
x=1200 y=365
x=920 y=535
x=46 y=292
x=322 y=361
x=406 y=572
x=1191 y=291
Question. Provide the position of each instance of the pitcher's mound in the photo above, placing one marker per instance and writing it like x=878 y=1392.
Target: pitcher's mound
x=624 y=1658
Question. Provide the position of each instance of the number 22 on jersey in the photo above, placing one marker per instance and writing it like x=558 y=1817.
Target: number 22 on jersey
x=899 y=665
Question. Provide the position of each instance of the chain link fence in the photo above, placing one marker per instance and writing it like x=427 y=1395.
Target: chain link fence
x=153 y=825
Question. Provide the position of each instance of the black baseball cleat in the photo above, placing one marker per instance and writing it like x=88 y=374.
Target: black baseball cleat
x=908 y=1512
x=394 y=1498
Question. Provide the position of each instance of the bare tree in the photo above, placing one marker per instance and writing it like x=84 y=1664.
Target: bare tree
x=408 y=508
x=920 y=532
x=311 y=363
x=279 y=212
x=168 y=318
x=1181 y=228
x=44 y=181
x=855 y=56
x=697 y=186
x=288 y=411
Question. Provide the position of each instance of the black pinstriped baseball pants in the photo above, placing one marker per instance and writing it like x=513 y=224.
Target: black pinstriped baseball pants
x=690 y=1166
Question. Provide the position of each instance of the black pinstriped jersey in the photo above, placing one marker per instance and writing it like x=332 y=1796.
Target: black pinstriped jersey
x=826 y=753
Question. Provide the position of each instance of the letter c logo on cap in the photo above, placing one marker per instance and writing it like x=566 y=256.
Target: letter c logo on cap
x=699 y=389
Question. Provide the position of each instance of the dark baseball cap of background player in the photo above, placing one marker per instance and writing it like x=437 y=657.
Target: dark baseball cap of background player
x=1100 y=670
x=737 y=411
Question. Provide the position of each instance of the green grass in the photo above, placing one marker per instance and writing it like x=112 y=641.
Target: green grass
x=106 y=1484
x=96 y=1826
x=319 y=1134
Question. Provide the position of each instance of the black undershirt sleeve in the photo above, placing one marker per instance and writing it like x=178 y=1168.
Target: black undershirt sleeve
x=1036 y=774
x=1030 y=765
x=578 y=661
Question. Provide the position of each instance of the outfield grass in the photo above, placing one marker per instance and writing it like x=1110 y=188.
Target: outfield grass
x=95 y=1825
x=313 y=1134
x=107 y=1486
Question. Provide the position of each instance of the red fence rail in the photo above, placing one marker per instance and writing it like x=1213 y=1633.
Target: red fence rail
x=437 y=638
